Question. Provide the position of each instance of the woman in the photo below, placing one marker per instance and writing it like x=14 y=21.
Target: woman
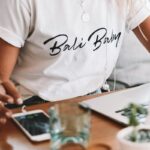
x=59 y=49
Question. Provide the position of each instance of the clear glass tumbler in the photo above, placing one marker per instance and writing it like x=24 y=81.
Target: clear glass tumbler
x=69 y=124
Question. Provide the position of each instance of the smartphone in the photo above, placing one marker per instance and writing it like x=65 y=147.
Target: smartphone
x=33 y=100
x=35 y=124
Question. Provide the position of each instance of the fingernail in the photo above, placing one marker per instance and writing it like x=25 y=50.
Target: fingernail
x=8 y=114
x=20 y=101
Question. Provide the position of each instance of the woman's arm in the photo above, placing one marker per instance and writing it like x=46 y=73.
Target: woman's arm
x=143 y=33
x=8 y=59
x=8 y=91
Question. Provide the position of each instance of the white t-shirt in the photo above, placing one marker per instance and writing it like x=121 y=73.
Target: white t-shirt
x=62 y=55
x=133 y=65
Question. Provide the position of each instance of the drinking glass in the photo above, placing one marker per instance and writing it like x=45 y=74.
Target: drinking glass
x=69 y=124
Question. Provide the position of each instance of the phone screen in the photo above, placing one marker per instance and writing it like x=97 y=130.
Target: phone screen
x=35 y=124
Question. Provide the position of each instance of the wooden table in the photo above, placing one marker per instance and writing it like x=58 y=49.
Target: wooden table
x=103 y=130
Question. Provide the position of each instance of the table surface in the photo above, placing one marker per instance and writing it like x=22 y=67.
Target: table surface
x=103 y=131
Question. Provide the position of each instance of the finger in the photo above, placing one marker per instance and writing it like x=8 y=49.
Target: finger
x=4 y=112
x=2 y=90
x=3 y=120
x=1 y=104
x=6 y=99
x=4 y=115
x=12 y=91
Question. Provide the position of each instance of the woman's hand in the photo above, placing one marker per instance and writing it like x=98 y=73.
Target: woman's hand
x=8 y=94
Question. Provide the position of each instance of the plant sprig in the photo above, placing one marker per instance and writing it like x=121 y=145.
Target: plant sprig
x=135 y=111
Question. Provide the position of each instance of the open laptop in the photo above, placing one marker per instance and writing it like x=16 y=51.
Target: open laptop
x=113 y=104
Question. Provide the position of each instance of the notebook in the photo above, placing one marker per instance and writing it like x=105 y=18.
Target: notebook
x=113 y=105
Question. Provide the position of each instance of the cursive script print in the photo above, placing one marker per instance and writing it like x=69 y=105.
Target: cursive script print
x=60 y=43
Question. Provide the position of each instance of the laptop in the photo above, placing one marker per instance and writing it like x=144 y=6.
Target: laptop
x=113 y=105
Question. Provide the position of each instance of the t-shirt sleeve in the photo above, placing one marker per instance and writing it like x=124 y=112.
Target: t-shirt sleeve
x=139 y=10
x=14 y=21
